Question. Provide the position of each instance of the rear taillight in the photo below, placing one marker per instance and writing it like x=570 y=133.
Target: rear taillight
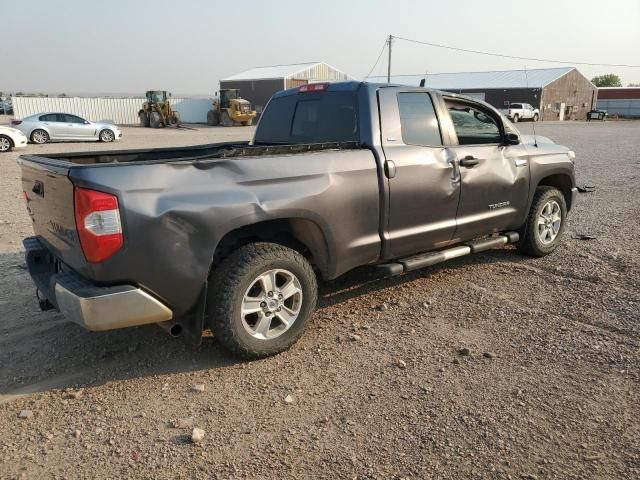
x=98 y=224
x=313 y=87
x=16 y=122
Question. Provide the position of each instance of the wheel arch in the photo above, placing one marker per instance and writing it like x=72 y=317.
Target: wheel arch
x=8 y=137
x=39 y=127
x=560 y=181
x=298 y=233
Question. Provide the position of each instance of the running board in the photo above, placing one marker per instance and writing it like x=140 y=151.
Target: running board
x=422 y=260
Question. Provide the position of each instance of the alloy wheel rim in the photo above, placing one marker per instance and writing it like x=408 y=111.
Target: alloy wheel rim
x=39 y=137
x=271 y=304
x=107 y=136
x=549 y=222
x=4 y=144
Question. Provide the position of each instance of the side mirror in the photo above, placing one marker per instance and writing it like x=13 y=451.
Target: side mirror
x=87 y=122
x=511 y=139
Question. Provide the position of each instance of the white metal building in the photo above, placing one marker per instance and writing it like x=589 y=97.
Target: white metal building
x=258 y=84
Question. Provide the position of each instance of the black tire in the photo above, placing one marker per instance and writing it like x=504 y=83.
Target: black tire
x=213 y=118
x=535 y=117
x=247 y=123
x=530 y=242
x=39 y=136
x=233 y=278
x=515 y=119
x=107 y=135
x=144 y=120
x=226 y=119
x=155 y=120
x=173 y=120
x=6 y=144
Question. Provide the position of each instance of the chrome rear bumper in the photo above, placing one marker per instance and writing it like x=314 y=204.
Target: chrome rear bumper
x=92 y=306
x=126 y=306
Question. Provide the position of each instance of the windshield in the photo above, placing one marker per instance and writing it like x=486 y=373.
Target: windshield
x=157 y=97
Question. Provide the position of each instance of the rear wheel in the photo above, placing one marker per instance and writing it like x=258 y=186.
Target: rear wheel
x=144 y=119
x=541 y=232
x=107 y=136
x=535 y=117
x=39 y=136
x=515 y=119
x=213 y=118
x=5 y=144
x=261 y=298
x=155 y=120
x=226 y=119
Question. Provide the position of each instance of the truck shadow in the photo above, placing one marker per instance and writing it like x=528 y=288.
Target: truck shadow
x=42 y=351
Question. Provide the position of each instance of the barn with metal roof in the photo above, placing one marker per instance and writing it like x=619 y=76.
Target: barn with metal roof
x=258 y=84
x=559 y=93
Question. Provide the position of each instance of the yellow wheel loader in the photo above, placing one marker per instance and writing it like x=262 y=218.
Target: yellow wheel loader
x=230 y=109
x=156 y=112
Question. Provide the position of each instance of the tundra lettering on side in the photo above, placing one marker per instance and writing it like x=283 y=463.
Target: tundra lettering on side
x=235 y=236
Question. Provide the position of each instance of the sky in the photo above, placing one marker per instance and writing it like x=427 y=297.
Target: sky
x=186 y=47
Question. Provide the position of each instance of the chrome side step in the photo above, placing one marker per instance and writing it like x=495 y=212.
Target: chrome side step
x=422 y=260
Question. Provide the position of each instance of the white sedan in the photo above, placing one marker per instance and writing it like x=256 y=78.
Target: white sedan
x=43 y=127
x=11 y=138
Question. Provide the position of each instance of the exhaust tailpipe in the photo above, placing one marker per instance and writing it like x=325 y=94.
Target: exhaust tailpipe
x=174 y=329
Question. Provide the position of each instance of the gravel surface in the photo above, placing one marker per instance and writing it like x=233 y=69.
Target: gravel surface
x=490 y=366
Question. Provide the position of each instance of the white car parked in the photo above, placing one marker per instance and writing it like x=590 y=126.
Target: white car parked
x=42 y=127
x=521 y=111
x=11 y=138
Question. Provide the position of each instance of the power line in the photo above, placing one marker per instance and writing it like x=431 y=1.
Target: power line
x=379 y=57
x=513 y=56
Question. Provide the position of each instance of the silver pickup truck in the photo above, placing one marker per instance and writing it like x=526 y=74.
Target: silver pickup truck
x=233 y=236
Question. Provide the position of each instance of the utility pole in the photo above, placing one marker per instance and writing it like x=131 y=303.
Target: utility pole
x=389 y=62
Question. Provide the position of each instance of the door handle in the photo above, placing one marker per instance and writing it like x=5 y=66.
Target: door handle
x=469 y=161
x=390 y=169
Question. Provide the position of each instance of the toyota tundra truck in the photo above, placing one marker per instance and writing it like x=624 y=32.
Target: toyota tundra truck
x=234 y=236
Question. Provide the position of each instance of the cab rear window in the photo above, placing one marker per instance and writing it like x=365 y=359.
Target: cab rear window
x=310 y=118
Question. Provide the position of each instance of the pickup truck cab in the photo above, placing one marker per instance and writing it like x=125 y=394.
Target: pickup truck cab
x=233 y=236
x=521 y=111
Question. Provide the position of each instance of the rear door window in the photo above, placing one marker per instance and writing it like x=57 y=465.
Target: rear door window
x=310 y=118
x=418 y=120
x=50 y=117
x=515 y=105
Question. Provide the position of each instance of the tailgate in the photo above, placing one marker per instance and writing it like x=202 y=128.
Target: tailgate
x=49 y=196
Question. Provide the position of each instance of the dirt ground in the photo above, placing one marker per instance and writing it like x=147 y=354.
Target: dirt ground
x=380 y=386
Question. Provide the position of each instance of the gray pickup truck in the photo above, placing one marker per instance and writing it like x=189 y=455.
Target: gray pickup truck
x=231 y=236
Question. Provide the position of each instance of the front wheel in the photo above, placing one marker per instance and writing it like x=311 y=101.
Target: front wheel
x=260 y=299
x=155 y=120
x=227 y=121
x=535 y=117
x=5 y=144
x=107 y=136
x=541 y=232
x=213 y=118
x=144 y=120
